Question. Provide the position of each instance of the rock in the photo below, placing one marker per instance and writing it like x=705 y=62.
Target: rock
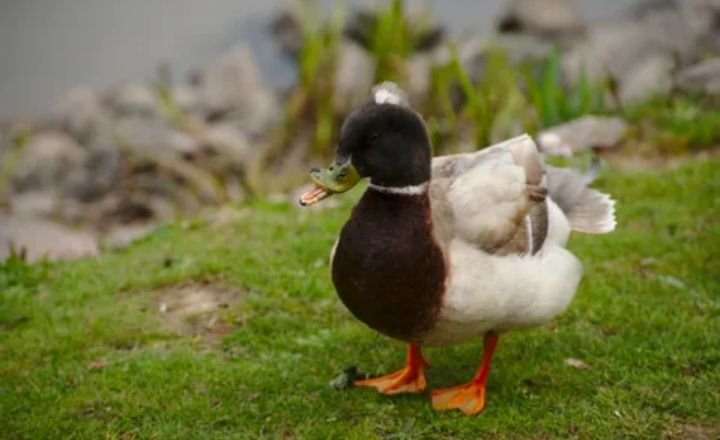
x=642 y=51
x=229 y=141
x=649 y=77
x=100 y=174
x=581 y=134
x=81 y=114
x=154 y=137
x=703 y=77
x=287 y=32
x=354 y=76
x=232 y=87
x=123 y=236
x=189 y=101
x=545 y=18
x=44 y=239
x=610 y=48
x=34 y=204
x=133 y=100
x=47 y=162
x=521 y=47
x=418 y=68
x=698 y=20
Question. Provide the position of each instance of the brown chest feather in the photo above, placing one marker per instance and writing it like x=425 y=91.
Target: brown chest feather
x=388 y=269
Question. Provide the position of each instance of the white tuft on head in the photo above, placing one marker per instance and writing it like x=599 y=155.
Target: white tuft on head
x=389 y=93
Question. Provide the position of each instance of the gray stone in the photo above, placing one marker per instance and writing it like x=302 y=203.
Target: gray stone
x=641 y=51
x=132 y=99
x=287 y=33
x=704 y=77
x=189 y=101
x=99 y=175
x=34 y=204
x=647 y=78
x=153 y=137
x=229 y=141
x=233 y=87
x=47 y=162
x=581 y=134
x=81 y=114
x=418 y=70
x=40 y=239
x=123 y=236
x=354 y=76
x=522 y=47
x=547 y=18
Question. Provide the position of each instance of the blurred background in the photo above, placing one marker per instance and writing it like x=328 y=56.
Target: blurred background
x=115 y=117
x=49 y=47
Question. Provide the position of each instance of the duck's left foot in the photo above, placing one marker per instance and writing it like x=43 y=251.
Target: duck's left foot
x=410 y=379
x=468 y=398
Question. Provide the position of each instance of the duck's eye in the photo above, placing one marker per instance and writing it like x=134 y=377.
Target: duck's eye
x=373 y=137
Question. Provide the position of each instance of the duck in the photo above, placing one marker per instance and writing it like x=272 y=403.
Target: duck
x=444 y=250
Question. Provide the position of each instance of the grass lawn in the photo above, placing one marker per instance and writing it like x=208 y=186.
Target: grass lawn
x=111 y=348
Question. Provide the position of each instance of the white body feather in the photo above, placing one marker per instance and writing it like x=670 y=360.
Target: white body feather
x=488 y=292
x=503 y=292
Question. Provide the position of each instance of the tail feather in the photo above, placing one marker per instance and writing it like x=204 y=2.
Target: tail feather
x=587 y=210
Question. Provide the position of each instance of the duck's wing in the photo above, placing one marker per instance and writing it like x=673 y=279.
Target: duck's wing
x=494 y=199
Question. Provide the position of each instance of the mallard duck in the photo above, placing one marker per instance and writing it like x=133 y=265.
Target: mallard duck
x=456 y=248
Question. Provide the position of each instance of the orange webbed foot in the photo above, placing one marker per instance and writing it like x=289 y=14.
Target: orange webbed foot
x=468 y=398
x=403 y=381
x=410 y=379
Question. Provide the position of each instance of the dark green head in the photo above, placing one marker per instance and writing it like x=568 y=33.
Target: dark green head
x=384 y=140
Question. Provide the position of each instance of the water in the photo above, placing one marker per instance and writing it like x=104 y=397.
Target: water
x=47 y=47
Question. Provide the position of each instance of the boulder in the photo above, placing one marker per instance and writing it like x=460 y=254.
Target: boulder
x=81 y=114
x=34 y=203
x=354 y=76
x=133 y=99
x=47 y=162
x=229 y=141
x=418 y=70
x=189 y=101
x=287 y=33
x=123 y=236
x=153 y=137
x=651 y=76
x=232 y=87
x=702 y=77
x=587 y=132
x=545 y=18
x=100 y=174
x=642 y=51
x=40 y=239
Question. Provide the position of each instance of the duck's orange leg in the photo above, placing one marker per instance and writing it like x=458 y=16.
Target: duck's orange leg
x=470 y=397
x=410 y=379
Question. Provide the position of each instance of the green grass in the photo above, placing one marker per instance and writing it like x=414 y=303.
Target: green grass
x=675 y=124
x=84 y=352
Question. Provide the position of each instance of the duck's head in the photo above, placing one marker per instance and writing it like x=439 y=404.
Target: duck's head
x=383 y=140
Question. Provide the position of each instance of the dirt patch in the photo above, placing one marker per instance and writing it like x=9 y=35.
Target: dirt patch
x=205 y=310
x=692 y=432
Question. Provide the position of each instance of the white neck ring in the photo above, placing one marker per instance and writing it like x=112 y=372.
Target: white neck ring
x=410 y=190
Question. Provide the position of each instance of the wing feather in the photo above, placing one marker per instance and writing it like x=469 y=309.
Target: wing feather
x=486 y=198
